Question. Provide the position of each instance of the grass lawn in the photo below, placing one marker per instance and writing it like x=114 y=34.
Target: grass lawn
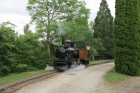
x=113 y=77
x=18 y=76
x=100 y=61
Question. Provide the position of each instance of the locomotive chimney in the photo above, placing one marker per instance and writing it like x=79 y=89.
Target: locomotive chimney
x=63 y=40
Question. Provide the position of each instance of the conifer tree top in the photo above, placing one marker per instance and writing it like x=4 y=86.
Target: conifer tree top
x=103 y=7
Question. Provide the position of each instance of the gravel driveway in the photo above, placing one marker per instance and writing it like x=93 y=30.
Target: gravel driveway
x=88 y=80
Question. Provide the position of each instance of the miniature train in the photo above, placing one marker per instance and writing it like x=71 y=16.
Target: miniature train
x=71 y=54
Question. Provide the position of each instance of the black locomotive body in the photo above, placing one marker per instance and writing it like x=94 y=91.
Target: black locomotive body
x=70 y=55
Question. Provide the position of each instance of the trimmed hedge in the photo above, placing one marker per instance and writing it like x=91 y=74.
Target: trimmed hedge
x=127 y=37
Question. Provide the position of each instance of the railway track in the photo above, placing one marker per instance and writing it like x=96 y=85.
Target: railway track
x=99 y=63
x=15 y=86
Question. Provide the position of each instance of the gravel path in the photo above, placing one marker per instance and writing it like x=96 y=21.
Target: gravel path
x=131 y=85
x=88 y=80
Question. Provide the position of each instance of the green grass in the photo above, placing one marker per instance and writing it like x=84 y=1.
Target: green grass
x=113 y=77
x=19 y=76
x=100 y=61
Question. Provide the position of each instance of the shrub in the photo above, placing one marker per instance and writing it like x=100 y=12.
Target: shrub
x=126 y=37
x=0 y=69
x=21 y=67
x=5 y=70
x=32 y=68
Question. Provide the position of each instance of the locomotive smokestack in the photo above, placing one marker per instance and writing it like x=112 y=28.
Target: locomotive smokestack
x=63 y=40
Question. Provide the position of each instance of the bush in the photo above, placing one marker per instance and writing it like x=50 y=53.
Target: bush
x=4 y=70
x=22 y=67
x=126 y=37
x=32 y=68
x=0 y=69
x=40 y=64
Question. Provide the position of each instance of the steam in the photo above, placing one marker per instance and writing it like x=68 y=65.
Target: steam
x=80 y=67
x=62 y=28
x=71 y=71
x=49 y=68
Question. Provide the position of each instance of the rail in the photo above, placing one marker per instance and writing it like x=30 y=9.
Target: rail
x=15 y=86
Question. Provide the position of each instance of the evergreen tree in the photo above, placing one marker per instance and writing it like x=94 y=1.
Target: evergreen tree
x=126 y=37
x=103 y=29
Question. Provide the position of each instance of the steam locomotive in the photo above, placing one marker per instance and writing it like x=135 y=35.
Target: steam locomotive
x=71 y=54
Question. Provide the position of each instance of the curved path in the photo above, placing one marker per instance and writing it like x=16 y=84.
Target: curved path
x=88 y=80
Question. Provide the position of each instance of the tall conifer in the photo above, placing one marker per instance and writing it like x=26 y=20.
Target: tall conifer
x=103 y=29
x=127 y=37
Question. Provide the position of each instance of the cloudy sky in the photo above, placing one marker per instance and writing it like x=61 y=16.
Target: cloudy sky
x=15 y=11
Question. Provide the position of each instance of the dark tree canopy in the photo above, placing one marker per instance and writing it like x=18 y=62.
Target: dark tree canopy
x=127 y=37
x=103 y=29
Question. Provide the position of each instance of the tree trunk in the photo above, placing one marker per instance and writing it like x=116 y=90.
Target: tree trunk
x=48 y=48
x=48 y=43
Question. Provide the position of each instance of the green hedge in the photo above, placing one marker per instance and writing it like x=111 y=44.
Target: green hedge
x=127 y=37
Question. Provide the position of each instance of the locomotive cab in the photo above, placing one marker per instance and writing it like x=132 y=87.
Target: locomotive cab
x=70 y=43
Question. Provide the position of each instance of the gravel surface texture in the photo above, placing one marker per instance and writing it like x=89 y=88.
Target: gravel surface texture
x=86 y=80
x=89 y=80
x=131 y=85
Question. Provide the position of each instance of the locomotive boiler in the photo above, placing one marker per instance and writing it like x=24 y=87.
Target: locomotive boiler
x=71 y=54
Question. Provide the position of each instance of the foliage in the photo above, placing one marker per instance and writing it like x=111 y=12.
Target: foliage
x=78 y=31
x=7 y=46
x=27 y=29
x=103 y=29
x=32 y=69
x=98 y=45
x=46 y=14
x=22 y=67
x=126 y=37
x=5 y=70
x=33 y=51
x=23 y=52
x=0 y=68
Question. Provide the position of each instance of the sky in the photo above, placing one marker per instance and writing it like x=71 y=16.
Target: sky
x=15 y=11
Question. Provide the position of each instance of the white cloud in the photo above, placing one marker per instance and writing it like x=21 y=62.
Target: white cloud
x=15 y=11
x=17 y=7
x=18 y=20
